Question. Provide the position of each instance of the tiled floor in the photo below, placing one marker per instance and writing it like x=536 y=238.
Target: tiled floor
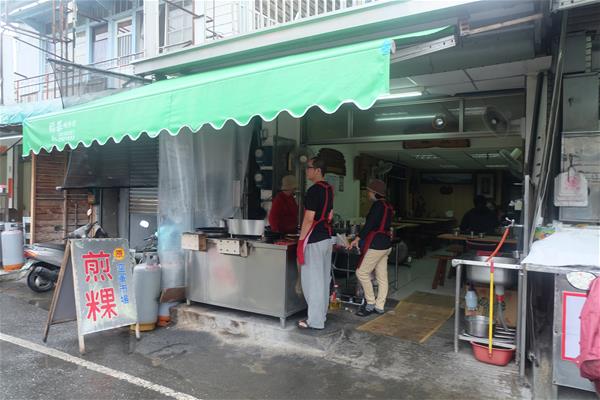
x=418 y=277
x=415 y=277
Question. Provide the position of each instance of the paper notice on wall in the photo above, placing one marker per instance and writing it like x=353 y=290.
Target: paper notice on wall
x=571 y=325
x=570 y=190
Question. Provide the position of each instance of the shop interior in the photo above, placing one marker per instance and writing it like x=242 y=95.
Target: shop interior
x=436 y=154
x=431 y=183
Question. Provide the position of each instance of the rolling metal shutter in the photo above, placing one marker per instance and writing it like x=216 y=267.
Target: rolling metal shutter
x=143 y=201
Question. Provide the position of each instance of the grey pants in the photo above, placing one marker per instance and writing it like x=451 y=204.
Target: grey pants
x=315 y=276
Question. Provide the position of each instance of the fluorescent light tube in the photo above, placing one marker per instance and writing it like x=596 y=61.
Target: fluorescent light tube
x=401 y=95
x=384 y=117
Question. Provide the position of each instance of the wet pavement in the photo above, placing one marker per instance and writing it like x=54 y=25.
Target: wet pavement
x=194 y=363
x=184 y=362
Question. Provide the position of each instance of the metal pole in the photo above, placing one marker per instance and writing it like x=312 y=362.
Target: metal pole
x=33 y=197
x=518 y=358
x=457 y=306
x=552 y=126
x=526 y=214
x=523 y=324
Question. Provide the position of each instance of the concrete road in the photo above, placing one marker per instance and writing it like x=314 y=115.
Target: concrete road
x=189 y=364
x=166 y=363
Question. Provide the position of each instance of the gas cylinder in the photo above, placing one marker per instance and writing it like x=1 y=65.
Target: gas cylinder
x=12 y=247
x=146 y=282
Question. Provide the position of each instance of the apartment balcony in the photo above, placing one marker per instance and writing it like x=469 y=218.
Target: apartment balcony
x=195 y=36
x=74 y=82
x=225 y=19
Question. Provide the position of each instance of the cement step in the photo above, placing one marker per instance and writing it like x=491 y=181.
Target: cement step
x=262 y=330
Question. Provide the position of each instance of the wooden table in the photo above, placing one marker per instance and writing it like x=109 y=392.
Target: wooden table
x=432 y=219
x=419 y=221
x=485 y=239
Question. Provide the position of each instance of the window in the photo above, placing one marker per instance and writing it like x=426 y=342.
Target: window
x=81 y=52
x=100 y=43
x=124 y=50
x=179 y=23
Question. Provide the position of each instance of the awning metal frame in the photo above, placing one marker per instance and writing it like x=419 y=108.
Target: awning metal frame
x=422 y=49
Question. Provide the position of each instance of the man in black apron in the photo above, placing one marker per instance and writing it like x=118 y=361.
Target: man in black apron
x=315 y=246
x=375 y=239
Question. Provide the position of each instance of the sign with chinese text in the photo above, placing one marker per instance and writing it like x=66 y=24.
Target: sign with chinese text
x=103 y=283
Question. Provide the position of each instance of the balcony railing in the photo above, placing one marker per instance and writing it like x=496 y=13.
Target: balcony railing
x=223 y=19
x=269 y=13
x=47 y=87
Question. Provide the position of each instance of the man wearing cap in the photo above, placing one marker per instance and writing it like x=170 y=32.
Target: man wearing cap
x=283 y=217
x=375 y=245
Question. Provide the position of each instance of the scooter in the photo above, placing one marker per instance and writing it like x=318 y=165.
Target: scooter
x=44 y=259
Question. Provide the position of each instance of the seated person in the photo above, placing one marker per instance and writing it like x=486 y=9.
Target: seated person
x=479 y=219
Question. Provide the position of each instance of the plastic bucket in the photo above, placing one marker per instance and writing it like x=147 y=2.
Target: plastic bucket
x=499 y=356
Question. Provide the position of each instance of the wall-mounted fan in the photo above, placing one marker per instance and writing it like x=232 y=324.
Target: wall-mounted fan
x=496 y=121
x=300 y=157
x=380 y=170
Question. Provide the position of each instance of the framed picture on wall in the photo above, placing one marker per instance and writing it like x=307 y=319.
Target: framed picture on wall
x=485 y=185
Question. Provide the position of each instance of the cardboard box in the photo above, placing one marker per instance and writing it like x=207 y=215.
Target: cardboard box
x=510 y=305
x=193 y=241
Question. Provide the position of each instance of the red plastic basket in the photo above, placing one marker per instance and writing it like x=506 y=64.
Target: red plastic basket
x=500 y=355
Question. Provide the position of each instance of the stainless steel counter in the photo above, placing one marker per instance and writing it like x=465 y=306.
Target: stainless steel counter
x=265 y=281
x=563 y=270
x=564 y=371
x=502 y=264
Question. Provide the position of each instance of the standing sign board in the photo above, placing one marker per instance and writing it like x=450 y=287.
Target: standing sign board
x=95 y=286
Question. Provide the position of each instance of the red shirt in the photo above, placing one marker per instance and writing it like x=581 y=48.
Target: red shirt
x=283 y=217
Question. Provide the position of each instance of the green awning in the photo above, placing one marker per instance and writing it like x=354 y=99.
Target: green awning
x=357 y=73
x=16 y=114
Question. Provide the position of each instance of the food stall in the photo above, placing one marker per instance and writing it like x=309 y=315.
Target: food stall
x=243 y=272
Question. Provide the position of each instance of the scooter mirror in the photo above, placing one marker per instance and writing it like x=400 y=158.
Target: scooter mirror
x=89 y=212
x=144 y=224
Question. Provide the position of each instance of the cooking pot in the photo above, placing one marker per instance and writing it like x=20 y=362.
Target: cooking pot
x=246 y=227
x=477 y=325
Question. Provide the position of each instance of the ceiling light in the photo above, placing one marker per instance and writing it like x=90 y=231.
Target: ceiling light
x=448 y=166
x=397 y=117
x=401 y=95
x=439 y=121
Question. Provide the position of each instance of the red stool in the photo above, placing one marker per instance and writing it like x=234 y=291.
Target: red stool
x=440 y=272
